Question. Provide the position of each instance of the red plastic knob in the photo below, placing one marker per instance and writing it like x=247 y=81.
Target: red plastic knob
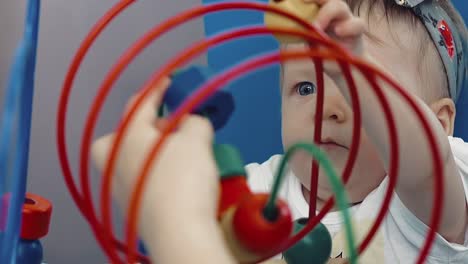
x=255 y=231
x=233 y=190
x=35 y=217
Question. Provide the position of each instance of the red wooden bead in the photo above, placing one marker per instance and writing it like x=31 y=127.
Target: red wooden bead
x=36 y=217
x=233 y=190
x=255 y=231
x=36 y=214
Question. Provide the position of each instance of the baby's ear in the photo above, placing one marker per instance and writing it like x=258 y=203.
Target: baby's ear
x=445 y=111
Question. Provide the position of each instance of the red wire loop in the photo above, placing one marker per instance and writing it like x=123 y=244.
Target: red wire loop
x=313 y=36
x=84 y=205
x=128 y=56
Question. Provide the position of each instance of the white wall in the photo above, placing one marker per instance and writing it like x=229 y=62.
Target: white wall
x=63 y=26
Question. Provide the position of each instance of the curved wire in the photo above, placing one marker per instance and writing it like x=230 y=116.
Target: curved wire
x=124 y=60
x=62 y=110
x=337 y=187
x=218 y=81
x=436 y=195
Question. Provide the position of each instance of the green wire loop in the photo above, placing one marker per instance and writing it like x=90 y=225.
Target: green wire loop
x=336 y=184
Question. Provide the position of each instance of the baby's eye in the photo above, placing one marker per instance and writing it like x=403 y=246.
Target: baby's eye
x=305 y=88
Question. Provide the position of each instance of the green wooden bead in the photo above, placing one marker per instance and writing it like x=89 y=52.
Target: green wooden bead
x=229 y=161
x=314 y=248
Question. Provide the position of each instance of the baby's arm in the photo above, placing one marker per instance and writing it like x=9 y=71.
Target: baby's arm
x=415 y=186
x=178 y=217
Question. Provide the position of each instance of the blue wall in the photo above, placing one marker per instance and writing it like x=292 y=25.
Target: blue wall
x=461 y=123
x=255 y=126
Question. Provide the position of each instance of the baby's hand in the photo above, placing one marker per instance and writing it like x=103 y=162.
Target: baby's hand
x=181 y=193
x=336 y=19
x=183 y=182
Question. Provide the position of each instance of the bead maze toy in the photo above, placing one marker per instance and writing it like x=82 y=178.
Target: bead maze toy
x=238 y=218
x=257 y=226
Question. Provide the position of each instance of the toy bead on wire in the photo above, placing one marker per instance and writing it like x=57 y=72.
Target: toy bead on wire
x=233 y=177
x=316 y=246
x=218 y=108
x=258 y=224
x=35 y=223
x=257 y=231
x=300 y=8
x=249 y=233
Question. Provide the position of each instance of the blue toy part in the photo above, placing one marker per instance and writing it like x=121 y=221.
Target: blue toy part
x=18 y=107
x=142 y=248
x=29 y=252
x=218 y=108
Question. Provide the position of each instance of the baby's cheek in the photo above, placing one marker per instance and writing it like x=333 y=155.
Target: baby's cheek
x=296 y=130
x=288 y=134
x=301 y=165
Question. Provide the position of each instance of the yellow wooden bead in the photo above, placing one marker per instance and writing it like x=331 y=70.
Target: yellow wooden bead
x=306 y=11
x=238 y=251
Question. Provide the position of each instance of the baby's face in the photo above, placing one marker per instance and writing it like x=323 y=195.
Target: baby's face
x=298 y=113
x=299 y=103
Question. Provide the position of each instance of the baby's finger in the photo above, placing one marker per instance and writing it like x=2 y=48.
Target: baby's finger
x=332 y=11
x=198 y=127
x=355 y=27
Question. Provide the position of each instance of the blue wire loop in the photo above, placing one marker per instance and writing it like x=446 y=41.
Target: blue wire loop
x=18 y=107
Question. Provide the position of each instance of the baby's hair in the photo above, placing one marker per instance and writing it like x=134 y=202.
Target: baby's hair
x=393 y=11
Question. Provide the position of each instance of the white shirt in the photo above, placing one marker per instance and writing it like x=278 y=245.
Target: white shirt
x=401 y=234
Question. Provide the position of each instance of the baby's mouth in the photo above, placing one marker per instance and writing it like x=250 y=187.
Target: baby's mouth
x=328 y=144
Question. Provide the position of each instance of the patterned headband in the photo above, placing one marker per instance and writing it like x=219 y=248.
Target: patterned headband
x=450 y=44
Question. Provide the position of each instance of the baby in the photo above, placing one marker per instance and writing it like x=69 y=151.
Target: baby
x=397 y=38
x=421 y=45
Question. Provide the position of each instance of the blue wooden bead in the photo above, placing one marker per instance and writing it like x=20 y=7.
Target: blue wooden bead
x=218 y=108
x=29 y=252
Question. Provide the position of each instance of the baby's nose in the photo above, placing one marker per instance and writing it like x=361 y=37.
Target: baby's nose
x=334 y=109
x=334 y=117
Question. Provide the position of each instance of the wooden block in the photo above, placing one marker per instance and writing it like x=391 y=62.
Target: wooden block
x=306 y=11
